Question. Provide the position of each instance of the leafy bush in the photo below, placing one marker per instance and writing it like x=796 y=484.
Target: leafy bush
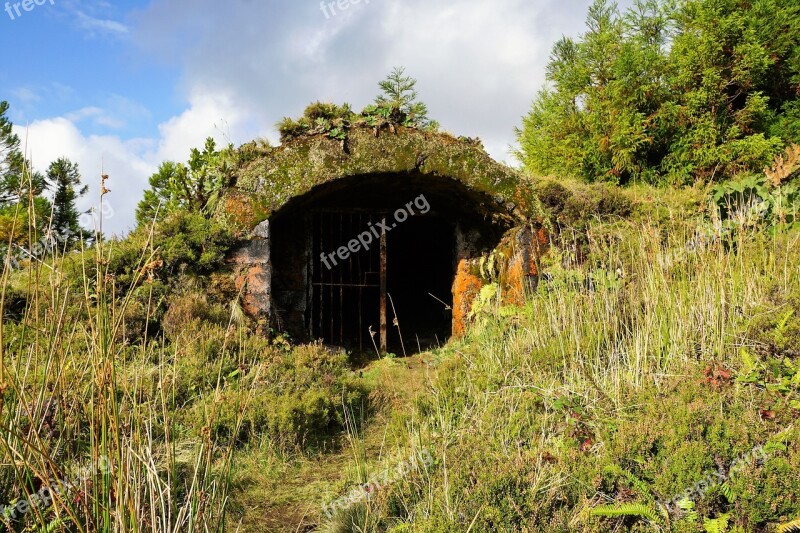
x=318 y=119
x=188 y=242
x=668 y=92
x=770 y=199
x=194 y=187
x=298 y=398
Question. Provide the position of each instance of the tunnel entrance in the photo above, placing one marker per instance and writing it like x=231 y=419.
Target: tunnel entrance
x=409 y=270
x=421 y=259
x=368 y=263
x=346 y=298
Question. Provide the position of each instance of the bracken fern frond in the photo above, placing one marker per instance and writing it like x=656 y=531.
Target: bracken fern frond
x=790 y=527
x=625 y=509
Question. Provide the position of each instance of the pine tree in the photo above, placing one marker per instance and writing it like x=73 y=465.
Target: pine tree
x=398 y=102
x=596 y=117
x=22 y=206
x=10 y=156
x=669 y=92
x=17 y=181
x=65 y=178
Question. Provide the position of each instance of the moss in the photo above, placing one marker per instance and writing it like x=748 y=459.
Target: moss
x=303 y=163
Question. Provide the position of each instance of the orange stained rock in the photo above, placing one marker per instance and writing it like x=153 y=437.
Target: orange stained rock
x=253 y=280
x=466 y=287
x=513 y=291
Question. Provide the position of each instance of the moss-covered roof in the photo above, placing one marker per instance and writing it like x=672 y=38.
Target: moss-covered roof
x=273 y=177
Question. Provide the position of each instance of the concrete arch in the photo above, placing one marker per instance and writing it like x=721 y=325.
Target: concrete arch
x=292 y=203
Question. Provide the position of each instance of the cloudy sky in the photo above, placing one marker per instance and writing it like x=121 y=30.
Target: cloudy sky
x=132 y=83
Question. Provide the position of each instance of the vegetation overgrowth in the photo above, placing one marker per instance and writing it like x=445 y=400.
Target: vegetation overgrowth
x=651 y=382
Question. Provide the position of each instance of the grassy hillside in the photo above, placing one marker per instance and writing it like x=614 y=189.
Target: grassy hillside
x=653 y=387
x=651 y=382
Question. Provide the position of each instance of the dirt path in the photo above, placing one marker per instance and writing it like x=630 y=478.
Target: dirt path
x=289 y=496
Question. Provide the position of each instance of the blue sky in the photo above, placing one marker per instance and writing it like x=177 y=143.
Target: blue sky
x=71 y=56
x=127 y=85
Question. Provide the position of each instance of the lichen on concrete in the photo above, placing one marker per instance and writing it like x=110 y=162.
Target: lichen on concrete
x=265 y=184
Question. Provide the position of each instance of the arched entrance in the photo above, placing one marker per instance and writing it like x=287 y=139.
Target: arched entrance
x=318 y=261
x=368 y=262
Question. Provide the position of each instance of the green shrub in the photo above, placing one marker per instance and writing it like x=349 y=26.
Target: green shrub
x=318 y=119
x=190 y=243
x=298 y=399
x=186 y=310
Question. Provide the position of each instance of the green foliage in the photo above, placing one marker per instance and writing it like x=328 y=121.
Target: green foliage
x=637 y=510
x=187 y=311
x=18 y=218
x=299 y=399
x=752 y=202
x=22 y=206
x=668 y=91
x=193 y=187
x=689 y=511
x=717 y=525
x=789 y=527
x=189 y=242
x=10 y=155
x=318 y=119
x=633 y=482
x=64 y=177
x=12 y=162
x=770 y=363
x=396 y=106
x=152 y=268
x=487 y=299
x=573 y=209
x=586 y=397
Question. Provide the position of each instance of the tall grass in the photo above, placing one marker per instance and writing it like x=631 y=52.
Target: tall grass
x=649 y=304
x=81 y=405
x=533 y=393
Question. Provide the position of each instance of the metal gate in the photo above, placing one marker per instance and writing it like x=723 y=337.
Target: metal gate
x=348 y=296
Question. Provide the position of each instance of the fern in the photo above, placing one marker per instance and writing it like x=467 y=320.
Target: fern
x=633 y=481
x=625 y=509
x=748 y=362
x=717 y=525
x=689 y=512
x=726 y=490
x=53 y=526
x=789 y=527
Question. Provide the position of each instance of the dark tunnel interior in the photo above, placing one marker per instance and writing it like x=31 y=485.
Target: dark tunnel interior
x=329 y=270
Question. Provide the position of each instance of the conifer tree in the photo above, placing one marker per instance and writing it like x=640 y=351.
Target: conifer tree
x=65 y=179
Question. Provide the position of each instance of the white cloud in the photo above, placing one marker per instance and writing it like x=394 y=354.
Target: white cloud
x=130 y=163
x=246 y=64
x=479 y=64
x=97 y=115
x=97 y=25
x=26 y=95
x=48 y=140
x=209 y=115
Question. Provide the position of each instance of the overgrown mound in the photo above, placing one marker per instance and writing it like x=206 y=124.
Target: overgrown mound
x=654 y=383
x=396 y=106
